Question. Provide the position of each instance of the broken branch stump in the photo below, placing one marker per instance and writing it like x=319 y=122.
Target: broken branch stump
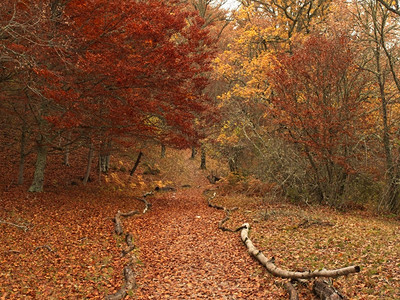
x=293 y=295
x=325 y=291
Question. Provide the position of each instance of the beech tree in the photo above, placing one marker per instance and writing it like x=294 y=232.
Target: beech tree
x=316 y=103
x=110 y=70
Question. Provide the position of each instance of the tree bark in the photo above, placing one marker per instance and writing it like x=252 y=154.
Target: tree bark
x=89 y=164
x=136 y=163
x=324 y=291
x=38 y=178
x=67 y=148
x=194 y=152
x=130 y=283
x=163 y=150
x=276 y=271
x=293 y=295
x=203 y=165
x=22 y=154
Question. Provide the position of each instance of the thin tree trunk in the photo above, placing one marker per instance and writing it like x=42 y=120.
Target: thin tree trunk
x=67 y=148
x=136 y=163
x=22 y=154
x=89 y=164
x=38 y=178
x=391 y=197
x=194 y=152
x=163 y=150
x=203 y=165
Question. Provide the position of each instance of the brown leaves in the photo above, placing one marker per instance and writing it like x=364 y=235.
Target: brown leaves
x=69 y=252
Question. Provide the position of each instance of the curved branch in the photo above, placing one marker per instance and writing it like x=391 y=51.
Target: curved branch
x=388 y=7
x=227 y=216
x=276 y=271
x=147 y=204
x=130 y=283
x=23 y=227
x=289 y=287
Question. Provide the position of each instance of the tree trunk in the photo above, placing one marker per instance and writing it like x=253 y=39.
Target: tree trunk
x=136 y=163
x=163 y=150
x=104 y=157
x=89 y=164
x=66 y=153
x=38 y=178
x=392 y=194
x=203 y=159
x=194 y=152
x=22 y=154
x=104 y=163
x=233 y=165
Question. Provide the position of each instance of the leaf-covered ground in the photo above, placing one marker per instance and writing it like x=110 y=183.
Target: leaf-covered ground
x=189 y=258
x=64 y=247
x=310 y=238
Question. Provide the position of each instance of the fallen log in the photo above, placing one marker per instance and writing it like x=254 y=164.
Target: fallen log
x=117 y=220
x=276 y=271
x=227 y=216
x=131 y=246
x=165 y=189
x=293 y=295
x=129 y=284
x=147 y=205
x=118 y=224
x=325 y=291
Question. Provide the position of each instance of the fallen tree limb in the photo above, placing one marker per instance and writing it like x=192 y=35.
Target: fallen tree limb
x=118 y=225
x=23 y=227
x=308 y=223
x=276 y=271
x=129 y=274
x=325 y=291
x=117 y=220
x=227 y=216
x=44 y=246
x=131 y=246
x=289 y=287
x=147 y=205
x=129 y=284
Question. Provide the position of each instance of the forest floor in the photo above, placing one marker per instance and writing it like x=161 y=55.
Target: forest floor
x=60 y=244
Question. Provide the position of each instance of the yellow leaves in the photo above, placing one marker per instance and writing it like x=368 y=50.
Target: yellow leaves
x=162 y=184
x=115 y=179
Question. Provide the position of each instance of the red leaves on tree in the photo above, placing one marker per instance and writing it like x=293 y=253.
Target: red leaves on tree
x=140 y=67
x=316 y=97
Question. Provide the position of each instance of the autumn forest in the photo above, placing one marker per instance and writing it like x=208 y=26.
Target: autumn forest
x=199 y=149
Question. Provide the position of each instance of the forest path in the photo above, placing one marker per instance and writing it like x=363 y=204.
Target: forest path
x=186 y=256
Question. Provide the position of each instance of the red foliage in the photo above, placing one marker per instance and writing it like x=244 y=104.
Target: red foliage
x=119 y=67
x=139 y=68
x=317 y=91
